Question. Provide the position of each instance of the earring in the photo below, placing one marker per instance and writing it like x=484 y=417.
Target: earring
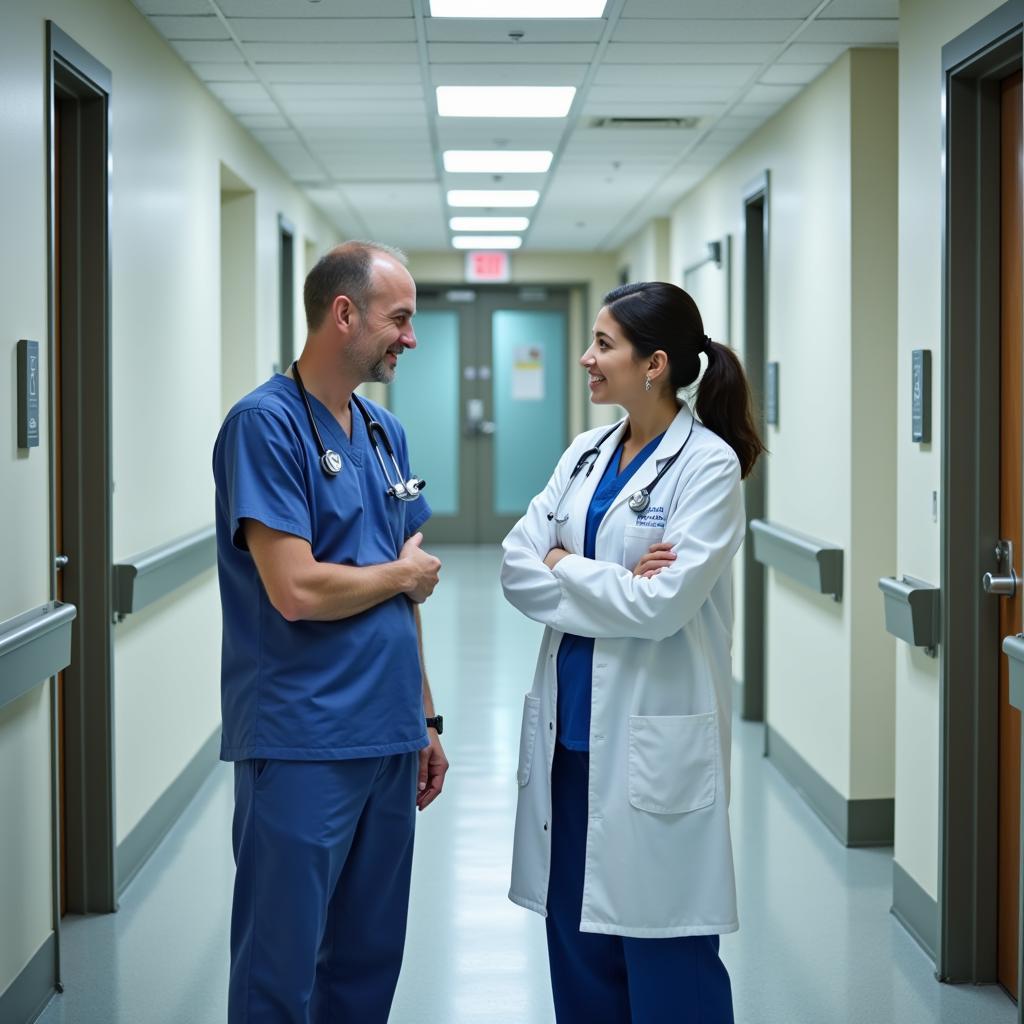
x=647 y=384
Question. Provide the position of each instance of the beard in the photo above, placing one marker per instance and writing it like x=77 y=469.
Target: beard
x=381 y=372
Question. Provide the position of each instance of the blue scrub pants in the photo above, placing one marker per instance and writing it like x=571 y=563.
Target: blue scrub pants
x=611 y=979
x=323 y=853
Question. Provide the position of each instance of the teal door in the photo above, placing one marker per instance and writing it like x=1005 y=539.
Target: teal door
x=483 y=401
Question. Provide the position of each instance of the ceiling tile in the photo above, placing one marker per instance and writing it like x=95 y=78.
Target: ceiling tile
x=496 y=30
x=689 y=53
x=717 y=8
x=320 y=9
x=862 y=32
x=205 y=52
x=673 y=75
x=266 y=106
x=170 y=7
x=329 y=72
x=508 y=74
x=641 y=108
x=228 y=91
x=812 y=53
x=862 y=9
x=208 y=27
x=324 y=30
x=346 y=90
x=511 y=53
x=329 y=53
x=771 y=93
x=661 y=30
x=792 y=74
x=343 y=107
x=224 y=72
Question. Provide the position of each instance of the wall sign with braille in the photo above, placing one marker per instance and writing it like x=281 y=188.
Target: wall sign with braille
x=771 y=394
x=921 y=395
x=28 y=394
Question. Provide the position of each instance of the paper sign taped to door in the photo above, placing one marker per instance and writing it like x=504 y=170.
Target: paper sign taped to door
x=528 y=374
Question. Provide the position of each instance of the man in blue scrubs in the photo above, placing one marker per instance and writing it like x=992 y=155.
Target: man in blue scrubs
x=327 y=713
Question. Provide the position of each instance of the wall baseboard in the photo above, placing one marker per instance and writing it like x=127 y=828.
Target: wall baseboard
x=854 y=822
x=27 y=995
x=134 y=850
x=915 y=910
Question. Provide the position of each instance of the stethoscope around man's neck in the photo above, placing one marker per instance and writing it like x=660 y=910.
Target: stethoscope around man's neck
x=330 y=460
x=639 y=501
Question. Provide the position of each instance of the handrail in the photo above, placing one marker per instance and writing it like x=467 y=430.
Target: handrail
x=912 y=611
x=33 y=647
x=815 y=563
x=1013 y=648
x=145 y=578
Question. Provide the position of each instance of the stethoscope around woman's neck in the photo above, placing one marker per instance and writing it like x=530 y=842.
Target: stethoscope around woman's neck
x=639 y=501
x=330 y=460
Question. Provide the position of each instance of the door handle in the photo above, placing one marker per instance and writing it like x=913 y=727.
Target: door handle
x=476 y=425
x=1005 y=585
x=61 y=562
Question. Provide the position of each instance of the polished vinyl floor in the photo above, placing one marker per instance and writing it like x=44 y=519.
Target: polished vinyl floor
x=817 y=944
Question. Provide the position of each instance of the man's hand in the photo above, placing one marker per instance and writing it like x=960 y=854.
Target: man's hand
x=423 y=569
x=433 y=766
x=554 y=556
x=658 y=557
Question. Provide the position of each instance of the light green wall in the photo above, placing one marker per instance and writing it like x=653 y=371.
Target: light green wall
x=645 y=257
x=169 y=139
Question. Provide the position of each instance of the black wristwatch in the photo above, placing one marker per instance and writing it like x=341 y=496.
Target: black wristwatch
x=437 y=723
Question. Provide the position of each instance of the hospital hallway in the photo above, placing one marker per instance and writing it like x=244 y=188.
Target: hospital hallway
x=817 y=943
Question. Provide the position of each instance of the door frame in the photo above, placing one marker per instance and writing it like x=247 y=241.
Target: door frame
x=756 y=198
x=973 y=65
x=74 y=75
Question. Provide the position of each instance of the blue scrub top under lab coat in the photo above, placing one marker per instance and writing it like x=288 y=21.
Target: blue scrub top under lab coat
x=576 y=653
x=312 y=690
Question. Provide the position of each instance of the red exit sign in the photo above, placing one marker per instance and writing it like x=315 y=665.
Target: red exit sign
x=487 y=266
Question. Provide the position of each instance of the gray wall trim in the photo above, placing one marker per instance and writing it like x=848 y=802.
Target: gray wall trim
x=915 y=910
x=33 y=647
x=26 y=997
x=853 y=822
x=80 y=61
x=816 y=564
x=145 y=578
x=972 y=67
x=134 y=850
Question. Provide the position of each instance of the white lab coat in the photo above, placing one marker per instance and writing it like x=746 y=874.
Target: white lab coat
x=659 y=854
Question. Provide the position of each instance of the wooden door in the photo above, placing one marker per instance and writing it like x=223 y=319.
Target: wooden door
x=1010 y=515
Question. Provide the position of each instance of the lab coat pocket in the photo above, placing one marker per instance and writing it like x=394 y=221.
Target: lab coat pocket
x=527 y=738
x=635 y=542
x=673 y=762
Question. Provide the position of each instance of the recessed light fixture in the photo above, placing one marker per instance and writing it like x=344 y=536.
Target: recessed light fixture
x=517 y=8
x=489 y=223
x=492 y=197
x=487 y=241
x=497 y=161
x=504 y=100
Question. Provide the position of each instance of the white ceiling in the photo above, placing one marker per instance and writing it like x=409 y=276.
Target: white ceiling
x=341 y=94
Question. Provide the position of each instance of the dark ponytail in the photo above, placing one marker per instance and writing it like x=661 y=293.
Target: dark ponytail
x=656 y=315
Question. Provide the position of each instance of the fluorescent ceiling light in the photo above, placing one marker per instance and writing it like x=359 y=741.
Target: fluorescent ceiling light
x=497 y=161
x=504 y=100
x=492 y=197
x=487 y=241
x=517 y=8
x=489 y=223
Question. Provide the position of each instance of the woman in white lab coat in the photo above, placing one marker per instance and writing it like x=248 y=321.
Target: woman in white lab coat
x=622 y=830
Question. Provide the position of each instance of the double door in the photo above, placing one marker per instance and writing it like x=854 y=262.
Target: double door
x=483 y=400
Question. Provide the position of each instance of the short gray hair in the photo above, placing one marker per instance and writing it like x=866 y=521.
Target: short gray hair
x=347 y=269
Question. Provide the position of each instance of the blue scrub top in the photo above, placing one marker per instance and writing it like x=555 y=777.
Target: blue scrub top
x=576 y=653
x=312 y=690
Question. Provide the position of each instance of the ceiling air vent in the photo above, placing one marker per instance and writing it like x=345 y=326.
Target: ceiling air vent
x=661 y=123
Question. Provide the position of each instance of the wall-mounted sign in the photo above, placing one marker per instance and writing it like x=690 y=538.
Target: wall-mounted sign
x=921 y=395
x=488 y=266
x=28 y=394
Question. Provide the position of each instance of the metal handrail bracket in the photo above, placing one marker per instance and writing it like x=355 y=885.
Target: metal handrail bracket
x=912 y=611
x=141 y=580
x=814 y=563
x=33 y=647
x=1013 y=648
